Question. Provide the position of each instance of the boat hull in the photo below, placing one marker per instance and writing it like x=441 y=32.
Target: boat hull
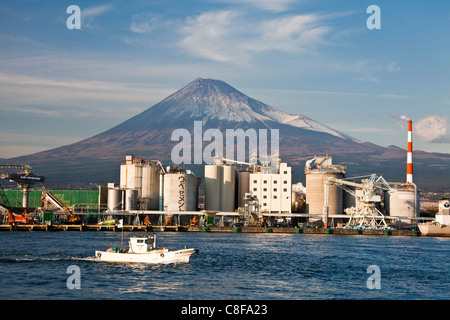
x=154 y=257
x=434 y=229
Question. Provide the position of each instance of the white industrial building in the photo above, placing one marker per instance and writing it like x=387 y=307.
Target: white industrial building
x=273 y=189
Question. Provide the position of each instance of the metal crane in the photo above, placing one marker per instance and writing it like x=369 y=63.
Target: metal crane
x=47 y=195
x=367 y=216
x=24 y=178
x=16 y=216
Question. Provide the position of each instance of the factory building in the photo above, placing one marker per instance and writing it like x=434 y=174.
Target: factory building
x=273 y=189
x=228 y=188
x=147 y=185
x=317 y=170
x=142 y=181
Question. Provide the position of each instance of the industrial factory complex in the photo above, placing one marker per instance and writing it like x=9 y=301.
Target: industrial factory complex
x=232 y=195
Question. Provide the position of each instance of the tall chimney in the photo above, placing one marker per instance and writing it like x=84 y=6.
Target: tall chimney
x=409 y=163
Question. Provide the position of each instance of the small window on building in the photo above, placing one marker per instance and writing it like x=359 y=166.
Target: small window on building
x=275 y=197
x=264 y=197
x=265 y=189
x=255 y=189
x=265 y=181
x=285 y=181
x=285 y=172
x=255 y=181
x=264 y=204
x=275 y=189
x=285 y=189
x=275 y=181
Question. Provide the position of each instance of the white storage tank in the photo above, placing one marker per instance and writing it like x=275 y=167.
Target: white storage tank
x=131 y=196
x=114 y=199
x=317 y=171
x=315 y=193
x=213 y=186
x=404 y=202
x=228 y=189
x=180 y=192
x=150 y=186
x=131 y=174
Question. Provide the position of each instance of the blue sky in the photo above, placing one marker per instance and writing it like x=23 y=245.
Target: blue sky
x=59 y=86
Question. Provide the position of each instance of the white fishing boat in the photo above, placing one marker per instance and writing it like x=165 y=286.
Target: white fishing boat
x=145 y=250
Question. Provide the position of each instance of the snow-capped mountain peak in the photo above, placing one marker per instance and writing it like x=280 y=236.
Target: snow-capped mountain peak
x=209 y=99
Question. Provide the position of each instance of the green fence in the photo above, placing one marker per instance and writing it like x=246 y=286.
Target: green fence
x=67 y=197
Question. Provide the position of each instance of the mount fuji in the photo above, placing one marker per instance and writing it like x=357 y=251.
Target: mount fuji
x=96 y=160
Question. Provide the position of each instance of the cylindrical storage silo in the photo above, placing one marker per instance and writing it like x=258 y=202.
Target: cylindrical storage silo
x=131 y=176
x=403 y=203
x=114 y=199
x=335 y=200
x=315 y=193
x=131 y=196
x=228 y=189
x=213 y=186
x=150 y=186
x=180 y=192
x=244 y=187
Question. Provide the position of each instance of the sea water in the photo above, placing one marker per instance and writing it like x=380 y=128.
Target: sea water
x=229 y=266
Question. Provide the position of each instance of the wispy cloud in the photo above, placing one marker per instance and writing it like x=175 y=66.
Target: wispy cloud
x=88 y=15
x=145 y=23
x=229 y=36
x=75 y=98
x=213 y=35
x=293 y=33
x=268 y=5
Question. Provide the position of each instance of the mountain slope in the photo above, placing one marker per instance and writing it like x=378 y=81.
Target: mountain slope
x=218 y=105
x=212 y=101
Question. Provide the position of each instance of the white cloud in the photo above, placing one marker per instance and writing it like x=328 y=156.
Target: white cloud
x=432 y=129
x=212 y=35
x=228 y=36
x=293 y=33
x=269 y=5
x=89 y=14
x=144 y=23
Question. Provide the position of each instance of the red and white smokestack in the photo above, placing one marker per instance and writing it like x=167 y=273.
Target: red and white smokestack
x=409 y=163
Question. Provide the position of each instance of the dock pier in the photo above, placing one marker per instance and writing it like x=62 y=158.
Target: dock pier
x=211 y=229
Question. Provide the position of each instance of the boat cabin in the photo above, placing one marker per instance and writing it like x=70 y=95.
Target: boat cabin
x=142 y=244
